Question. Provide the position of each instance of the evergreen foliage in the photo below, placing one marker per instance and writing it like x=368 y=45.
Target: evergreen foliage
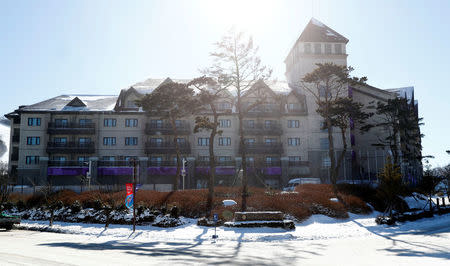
x=391 y=185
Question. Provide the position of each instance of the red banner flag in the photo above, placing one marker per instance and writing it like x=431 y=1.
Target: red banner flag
x=129 y=198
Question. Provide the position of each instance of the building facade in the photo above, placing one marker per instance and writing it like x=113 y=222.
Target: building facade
x=61 y=139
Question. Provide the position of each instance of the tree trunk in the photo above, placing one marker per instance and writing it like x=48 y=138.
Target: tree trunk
x=212 y=166
x=244 y=165
x=331 y=155
x=177 y=149
x=342 y=155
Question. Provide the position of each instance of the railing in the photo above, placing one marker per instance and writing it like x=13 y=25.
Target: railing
x=121 y=163
x=298 y=163
x=70 y=147
x=296 y=110
x=14 y=157
x=67 y=163
x=217 y=163
x=264 y=110
x=71 y=128
x=263 y=129
x=155 y=163
x=253 y=148
x=166 y=147
x=167 y=129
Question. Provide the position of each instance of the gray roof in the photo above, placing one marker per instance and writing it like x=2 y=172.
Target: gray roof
x=316 y=31
x=60 y=103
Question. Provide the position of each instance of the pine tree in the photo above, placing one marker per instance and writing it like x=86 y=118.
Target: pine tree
x=390 y=186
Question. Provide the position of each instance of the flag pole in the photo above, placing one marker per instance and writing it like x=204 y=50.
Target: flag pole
x=134 y=195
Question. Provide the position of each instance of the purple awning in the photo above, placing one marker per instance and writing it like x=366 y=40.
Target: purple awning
x=162 y=170
x=219 y=170
x=67 y=171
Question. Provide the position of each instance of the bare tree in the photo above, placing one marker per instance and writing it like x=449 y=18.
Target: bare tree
x=4 y=188
x=236 y=66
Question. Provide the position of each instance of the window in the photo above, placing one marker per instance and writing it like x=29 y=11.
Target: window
x=269 y=123
x=323 y=127
x=203 y=142
x=181 y=141
x=60 y=140
x=32 y=159
x=224 y=106
x=82 y=159
x=323 y=91
x=156 y=160
x=317 y=48
x=224 y=123
x=131 y=122
x=294 y=107
x=272 y=160
x=249 y=141
x=156 y=123
x=338 y=48
x=178 y=123
x=294 y=158
x=328 y=48
x=109 y=122
x=203 y=158
x=108 y=158
x=249 y=123
x=34 y=121
x=131 y=104
x=224 y=141
x=61 y=122
x=293 y=141
x=85 y=122
x=324 y=144
x=156 y=142
x=59 y=158
x=224 y=158
x=293 y=123
x=129 y=158
x=270 y=141
x=307 y=48
x=109 y=141
x=33 y=140
x=131 y=141
x=84 y=141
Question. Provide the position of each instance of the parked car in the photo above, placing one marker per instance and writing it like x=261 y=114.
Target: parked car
x=300 y=181
x=7 y=221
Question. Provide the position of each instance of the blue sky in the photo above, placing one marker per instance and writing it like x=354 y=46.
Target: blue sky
x=48 y=48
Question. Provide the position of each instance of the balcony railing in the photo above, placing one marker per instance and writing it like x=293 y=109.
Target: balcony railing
x=297 y=111
x=218 y=163
x=70 y=147
x=265 y=110
x=67 y=163
x=121 y=163
x=256 y=148
x=156 y=163
x=71 y=128
x=298 y=163
x=14 y=157
x=166 y=147
x=16 y=138
x=167 y=129
x=263 y=129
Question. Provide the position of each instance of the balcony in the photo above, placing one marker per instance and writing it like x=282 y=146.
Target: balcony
x=263 y=129
x=217 y=163
x=264 y=148
x=59 y=163
x=71 y=128
x=122 y=163
x=14 y=157
x=265 y=110
x=298 y=163
x=297 y=111
x=166 y=148
x=70 y=147
x=166 y=129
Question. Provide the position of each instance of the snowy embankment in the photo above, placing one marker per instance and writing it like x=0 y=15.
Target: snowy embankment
x=317 y=227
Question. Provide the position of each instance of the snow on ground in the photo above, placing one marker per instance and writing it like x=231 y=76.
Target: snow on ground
x=4 y=136
x=419 y=201
x=315 y=228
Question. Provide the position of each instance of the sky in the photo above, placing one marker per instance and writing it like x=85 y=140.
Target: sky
x=49 y=48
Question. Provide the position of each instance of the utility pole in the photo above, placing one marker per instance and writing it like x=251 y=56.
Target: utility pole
x=134 y=195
